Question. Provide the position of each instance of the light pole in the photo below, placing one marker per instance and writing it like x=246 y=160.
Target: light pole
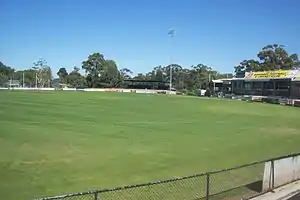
x=171 y=33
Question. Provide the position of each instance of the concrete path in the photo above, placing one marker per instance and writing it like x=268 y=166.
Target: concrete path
x=288 y=192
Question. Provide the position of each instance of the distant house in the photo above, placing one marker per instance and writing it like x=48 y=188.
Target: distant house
x=13 y=83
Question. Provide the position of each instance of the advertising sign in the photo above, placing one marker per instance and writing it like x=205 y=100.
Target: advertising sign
x=271 y=74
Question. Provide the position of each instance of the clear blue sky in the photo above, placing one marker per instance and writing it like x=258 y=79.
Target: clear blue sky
x=218 y=33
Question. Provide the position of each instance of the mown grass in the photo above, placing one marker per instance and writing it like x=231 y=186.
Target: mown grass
x=62 y=142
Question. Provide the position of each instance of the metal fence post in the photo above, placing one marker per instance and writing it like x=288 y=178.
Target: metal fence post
x=207 y=185
x=272 y=174
x=96 y=196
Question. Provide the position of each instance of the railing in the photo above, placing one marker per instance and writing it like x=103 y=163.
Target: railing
x=235 y=183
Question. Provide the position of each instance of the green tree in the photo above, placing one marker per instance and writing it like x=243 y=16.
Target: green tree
x=6 y=73
x=94 y=67
x=270 y=57
x=182 y=79
x=140 y=76
x=195 y=77
x=125 y=73
x=275 y=57
x=200 y=76
x=29 y=75
x=248 y=66
x=159 y=74
x=43 y=73
x=62 y=74
x=46 y=76
x=75 y=79
x=110 y=76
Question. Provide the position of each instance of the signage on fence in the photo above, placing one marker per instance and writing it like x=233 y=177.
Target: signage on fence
x=111 y=90
x=271 y=74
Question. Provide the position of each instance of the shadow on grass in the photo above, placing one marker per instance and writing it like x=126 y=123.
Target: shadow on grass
x=238 y=192
x=296 y=197
x=255 y=186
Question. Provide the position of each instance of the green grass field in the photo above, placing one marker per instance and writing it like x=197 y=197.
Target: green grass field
x=62 y=142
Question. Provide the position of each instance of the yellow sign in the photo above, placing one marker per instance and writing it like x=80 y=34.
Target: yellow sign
x=269 y=74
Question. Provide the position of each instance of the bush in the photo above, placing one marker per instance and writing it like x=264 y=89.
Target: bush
x=271 y=100
x=191 y=93
x=207 y=93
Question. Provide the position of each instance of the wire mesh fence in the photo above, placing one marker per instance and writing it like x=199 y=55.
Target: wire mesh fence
x=238 y=182
x=229 y=184
x=177 y=189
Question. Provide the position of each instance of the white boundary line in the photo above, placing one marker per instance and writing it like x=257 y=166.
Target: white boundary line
x=110 y=122
x=156 y=122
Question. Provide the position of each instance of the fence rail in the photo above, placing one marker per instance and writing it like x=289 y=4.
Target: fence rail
x=233 y=183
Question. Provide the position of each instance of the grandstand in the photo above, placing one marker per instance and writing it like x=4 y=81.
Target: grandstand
x=295 y=86
x=280 y=84
x=222 y=87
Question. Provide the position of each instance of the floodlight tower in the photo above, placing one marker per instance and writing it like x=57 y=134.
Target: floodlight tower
x=171 y=34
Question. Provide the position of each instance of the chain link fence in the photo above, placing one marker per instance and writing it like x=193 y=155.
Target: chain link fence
x=229 y=184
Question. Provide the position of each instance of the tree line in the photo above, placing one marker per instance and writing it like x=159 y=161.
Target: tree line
x=100 y=72
x=270 y=58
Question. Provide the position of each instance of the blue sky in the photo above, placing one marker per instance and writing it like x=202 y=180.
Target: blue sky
x=218 y=33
